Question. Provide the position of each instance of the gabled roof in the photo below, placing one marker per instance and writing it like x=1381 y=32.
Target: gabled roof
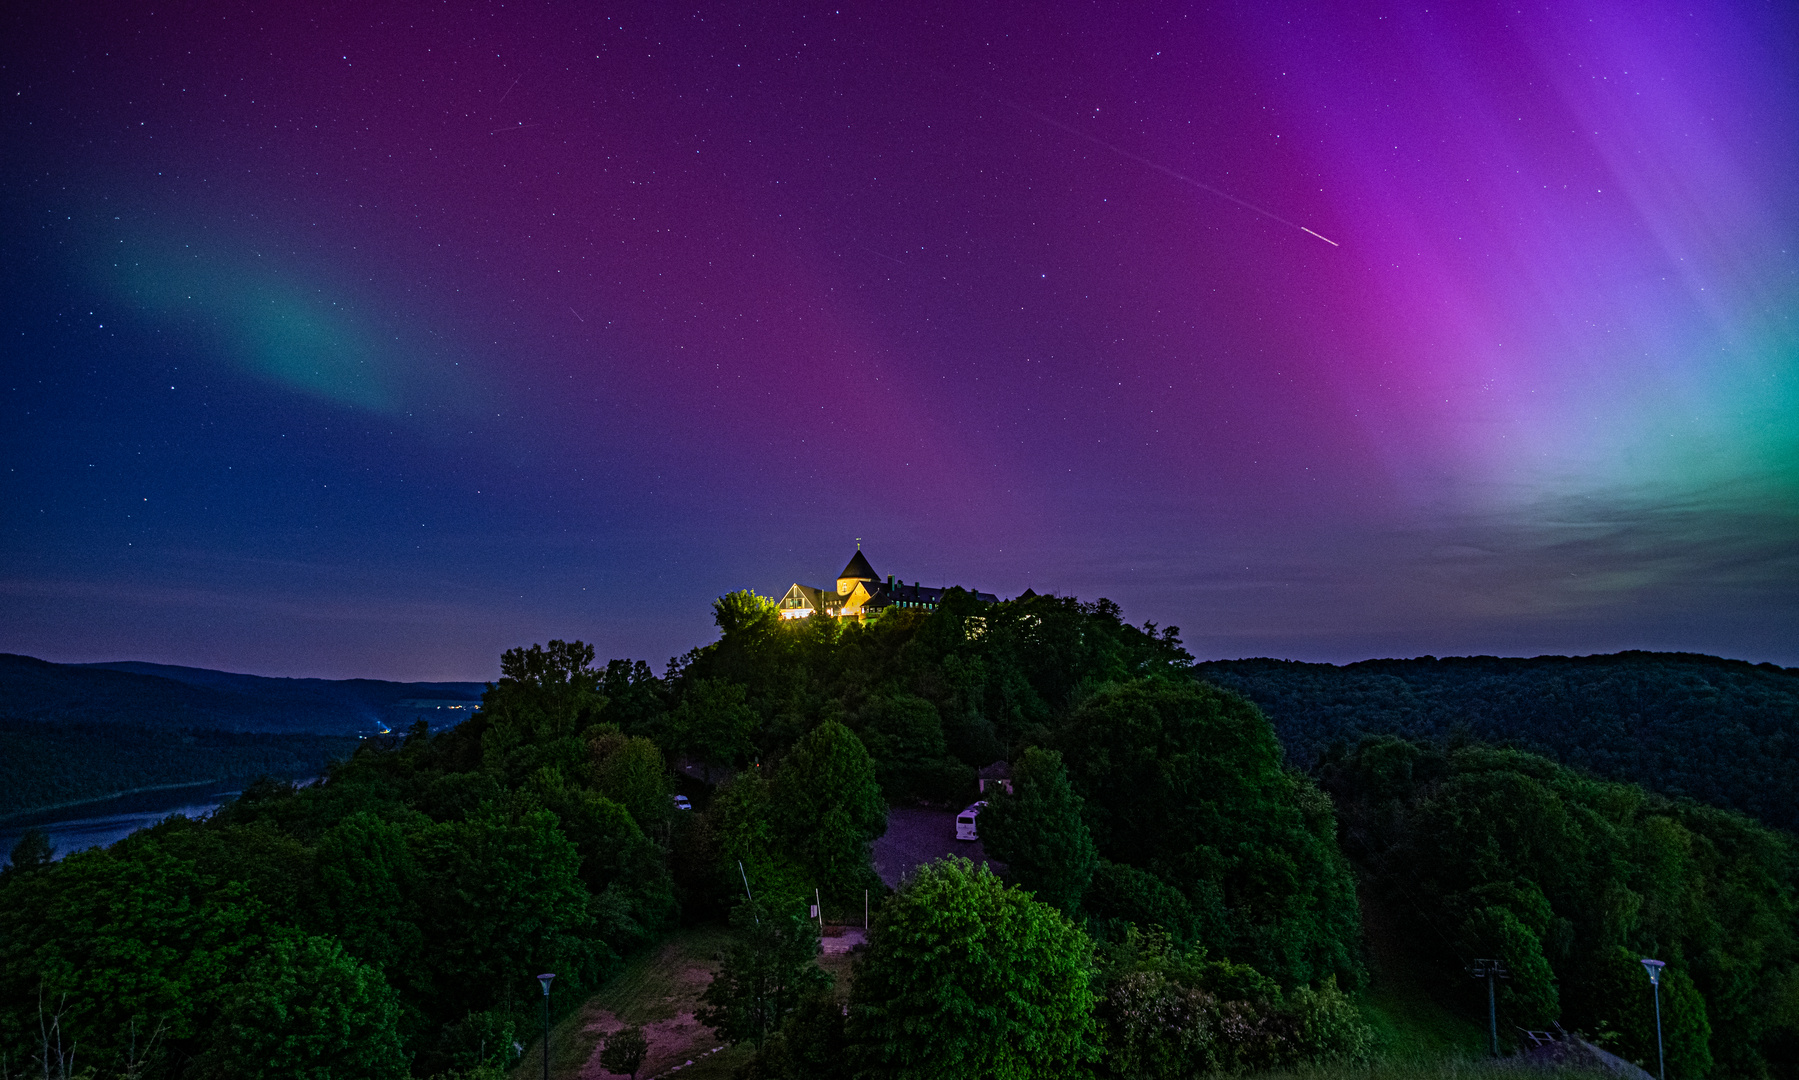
x=858 y=568
x=869 y=596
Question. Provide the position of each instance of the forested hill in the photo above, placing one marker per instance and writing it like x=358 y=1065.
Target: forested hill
x=1724 y=732
x=72 y=732
x=158 y=696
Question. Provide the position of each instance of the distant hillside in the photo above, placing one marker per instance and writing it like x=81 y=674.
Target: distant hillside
x=50 y=764
x=71 y=732
x=159 y=696
x=1723 y=732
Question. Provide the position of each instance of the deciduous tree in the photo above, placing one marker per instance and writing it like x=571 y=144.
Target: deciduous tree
x=1186 y=781
x=536 y=714
x=625 y=1050
x=967 y=977
x=765 y=974
x=367 y=891
x=828 y=808
x=32 y=852
x=306 y=1010
x=503 y=896
x=713 y=722
x=904 y=736
x=809 y=1046
x=118 y=943
x=632 y=772
x=1038 y=832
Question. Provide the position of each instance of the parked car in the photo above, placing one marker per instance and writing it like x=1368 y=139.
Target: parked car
x=681 y=803
x=965 y=821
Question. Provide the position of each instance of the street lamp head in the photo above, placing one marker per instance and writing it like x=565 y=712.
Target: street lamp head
x=1654 y=967
x=545 y=980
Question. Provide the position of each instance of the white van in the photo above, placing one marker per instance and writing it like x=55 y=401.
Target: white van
x=965 y=829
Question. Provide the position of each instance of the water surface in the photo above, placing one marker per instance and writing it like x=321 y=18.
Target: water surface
x=104 y=822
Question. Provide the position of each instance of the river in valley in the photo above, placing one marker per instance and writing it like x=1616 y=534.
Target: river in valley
x=104 y=822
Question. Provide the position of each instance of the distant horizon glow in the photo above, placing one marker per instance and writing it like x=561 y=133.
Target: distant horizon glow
x=371 y=344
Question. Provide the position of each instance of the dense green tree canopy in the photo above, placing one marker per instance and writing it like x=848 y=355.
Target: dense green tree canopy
x=1724 y=732
x=633 y=773
x=536 y=714
x=967 y=977
x=124 y=943
x=306 y=1010
x=1168 y=1013
x=1038 y=832
x=713 y=723
x=810 y=1045
x=997 y=676
x=766 y=974
x=396 y=912
x=751 y=848
x=32 y=852
x=1185 y=781
x=368 y=888
x=827 y=806
x=504 y=897
x=904 y=736
x=1571 y=880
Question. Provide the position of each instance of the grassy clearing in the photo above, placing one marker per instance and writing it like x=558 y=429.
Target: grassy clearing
x=659 y=988
x=658 y=983
x=1412 y=1024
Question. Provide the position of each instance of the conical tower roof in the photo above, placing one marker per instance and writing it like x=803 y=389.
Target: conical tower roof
x=859 y=568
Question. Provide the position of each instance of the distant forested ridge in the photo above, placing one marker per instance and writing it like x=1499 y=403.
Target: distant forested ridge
x=1723 y=732
x=72 y=732
x=157 y=695
x=46 y=765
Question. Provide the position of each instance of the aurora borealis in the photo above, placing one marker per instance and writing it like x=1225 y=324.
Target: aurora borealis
x=370 y=341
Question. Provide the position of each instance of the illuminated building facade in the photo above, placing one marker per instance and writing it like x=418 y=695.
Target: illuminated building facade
x=860 y=593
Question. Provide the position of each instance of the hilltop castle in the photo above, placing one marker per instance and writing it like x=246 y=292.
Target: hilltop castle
x=860 y=593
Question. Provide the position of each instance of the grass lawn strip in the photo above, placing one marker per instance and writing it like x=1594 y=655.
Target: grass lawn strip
x=1403 y=1004
x=659 y=988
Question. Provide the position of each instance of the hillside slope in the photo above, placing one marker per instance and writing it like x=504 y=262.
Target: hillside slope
x=74 y=732
x=1724 y=732
x=48 y=765
x=157 y=696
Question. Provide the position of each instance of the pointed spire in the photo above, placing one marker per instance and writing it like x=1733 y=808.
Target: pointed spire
x=858 y=569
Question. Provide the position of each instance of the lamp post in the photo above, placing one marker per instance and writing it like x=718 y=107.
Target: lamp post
x=1490 y=970
x=545 y=980
x=1654 y=967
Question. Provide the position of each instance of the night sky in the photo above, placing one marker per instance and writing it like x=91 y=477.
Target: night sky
x=370 y=340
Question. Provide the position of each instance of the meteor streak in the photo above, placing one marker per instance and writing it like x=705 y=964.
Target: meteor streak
x=1165 y=170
